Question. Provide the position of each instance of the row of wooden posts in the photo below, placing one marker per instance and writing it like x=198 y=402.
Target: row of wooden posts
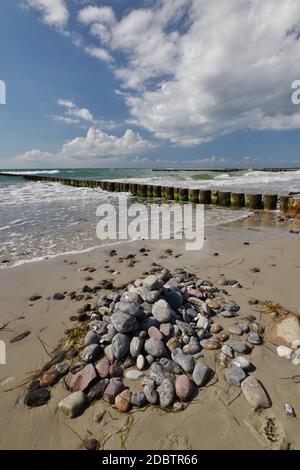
x=269 y=202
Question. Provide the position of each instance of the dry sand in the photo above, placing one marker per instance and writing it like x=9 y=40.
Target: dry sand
x=219 y=417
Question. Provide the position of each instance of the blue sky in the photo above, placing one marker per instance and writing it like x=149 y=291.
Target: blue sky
x=157 y=83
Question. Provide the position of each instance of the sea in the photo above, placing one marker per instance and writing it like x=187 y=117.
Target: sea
x=41 y=220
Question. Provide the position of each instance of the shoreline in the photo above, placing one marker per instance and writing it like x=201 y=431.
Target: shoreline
x=270 y=250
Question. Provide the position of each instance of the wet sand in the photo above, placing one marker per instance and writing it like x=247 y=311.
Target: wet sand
x=219 y=417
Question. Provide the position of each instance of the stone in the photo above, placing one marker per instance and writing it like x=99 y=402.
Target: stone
x=150 y=359
x=216 y=328
x=284 y=351
x=53 y=374
x=37 y=397
x=83 y=379
x=169 y=365
x=255 y=393
x=296 y=357
x=150 y=296
x=155 y=348
x=90 y=353
x=213 y=304
x=98 y=326
x=185 y=361
x=58 y=296
x=136 y=346
x=239 y=346
x=120 y=344
x=115 y=370
x=133 y=374
x=35 y=297
x=173 y=343
x=103 y=368
x=166 y=393
x=210 y=344
x=241 y=362
x=227 y=350
x=151 y=282
x=235 y=330
x=157 y=374
x=201 y=374
x=123 y=401
x=123 y=322
x=91 y=338
x=140 y=362
x=154 y=333
x=130 y=297
x=222 y=337
x=108 y=351
x=185 y=328
x=184 y=387
x=97 y=390
x=72 y=405
x=173 y=297
x=151 y=394
x=235 y=375
x=138 y=399
x=254 y=338
x=113 y=389
x=162 y=312
x=202 y=321
x=193 y=347
x=166 y=329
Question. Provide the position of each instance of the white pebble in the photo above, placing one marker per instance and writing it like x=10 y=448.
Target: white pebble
x=284 y=351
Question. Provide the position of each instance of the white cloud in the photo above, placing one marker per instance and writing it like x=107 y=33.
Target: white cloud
x=66 y=120
x=195 y=70
x=72 y=110
x=55 y=12
x=96 y=146
x=92 y=14
x=99 y=53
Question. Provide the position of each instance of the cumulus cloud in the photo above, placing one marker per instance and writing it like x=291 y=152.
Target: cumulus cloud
x=73 y=111
x=54 y=12
x=194 y=70
x=96 y=146
x=99 y=53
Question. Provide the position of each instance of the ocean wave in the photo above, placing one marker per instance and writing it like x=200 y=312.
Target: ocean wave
x=32 y=172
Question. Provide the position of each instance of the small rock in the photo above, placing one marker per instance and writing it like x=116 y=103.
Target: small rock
x=136 y=346
x=151 y=394
x=58 y=296
x=72 y=405
x=123 y=322
x=108 y=351
x=91 y=444
x=155 y=348
x=140 y=362
x=296 y=357
x=166 y=329
x=166 y=393
x=235 y=330
x=202 y=322
x=35 y=297
x=157 y=374
x=210 y=344
x=183 y=387
x=113 y=389
x=216 y=328
x=150 y=296
x=162 y=312
x=173 y=343
x=193 y=347
x=154 y=333
x=284 y=351
x=222 y=337
x=90 y=353
x=138 y=399
x=37 y=397
x=151 y=282
x=255 y=393
x=103 y=368
x=254 y=338
x=115 y=370
x=123 y=401
x=235 y=375
x=241 y=362
x=239 y=346
x=185 y=361
x=227 y=350
x=97 y=390
x=91 y=338
x=133 y=374
x=201 y=374
x=289 y=410
x=169 y=365
x=83 y=378
x=120 y=345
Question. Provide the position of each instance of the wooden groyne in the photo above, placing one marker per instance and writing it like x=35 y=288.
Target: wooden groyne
x=289 y=205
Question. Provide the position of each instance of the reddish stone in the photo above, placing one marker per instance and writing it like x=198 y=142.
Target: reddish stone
x=184 y=387
x=154 y=333
x=115 y=370
x=166 y=329
x=83 y=378
x=123 y=400
x=103 y=368
x=113 y=389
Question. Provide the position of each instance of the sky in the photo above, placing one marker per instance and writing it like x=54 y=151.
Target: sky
x=149 y=83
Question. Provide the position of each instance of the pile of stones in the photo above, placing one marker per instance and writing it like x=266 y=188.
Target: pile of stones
x=154 y=335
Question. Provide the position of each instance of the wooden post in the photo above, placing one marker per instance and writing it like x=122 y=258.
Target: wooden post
x=223 y=198
x=214 y=197
x=183 y=194
x=254 y=201
x=149 y=190
x=142 y=190
x=205 y=196
x=284 y=204
x=294 y=207
x=193 y=195
x=176 y=194
x=163 y=192
x=134 y=189
x=169 y=191
x=237 y=199
x=270 y=202
x=110 y=186
x=156 y=191
x=126 y=187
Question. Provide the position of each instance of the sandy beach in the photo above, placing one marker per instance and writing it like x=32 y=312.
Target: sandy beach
x=218 y=417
